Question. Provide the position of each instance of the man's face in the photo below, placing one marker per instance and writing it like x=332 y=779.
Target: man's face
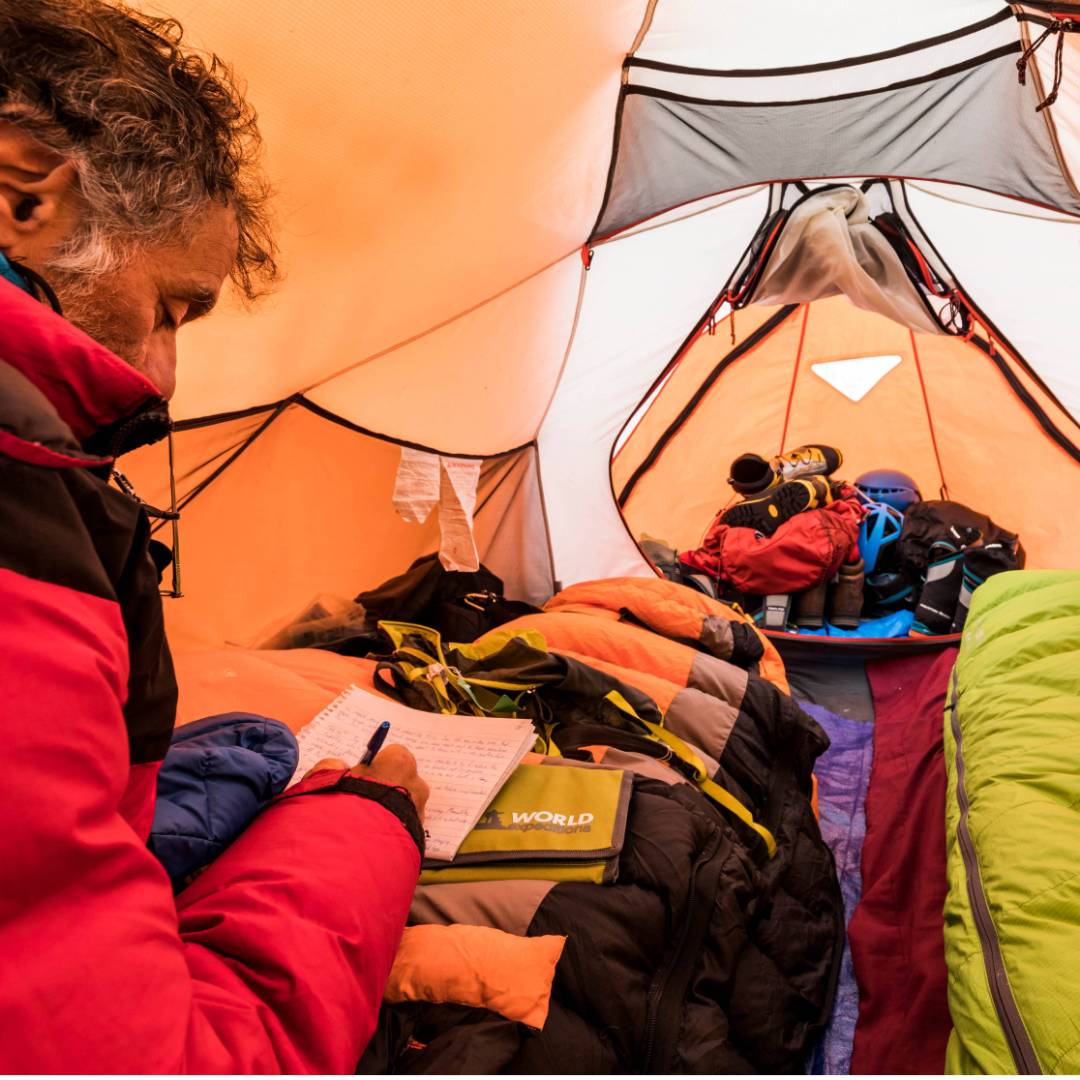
x=137 y=311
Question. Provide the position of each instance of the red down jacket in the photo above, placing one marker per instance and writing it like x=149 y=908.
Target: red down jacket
x=806 y=549
x=275 y=958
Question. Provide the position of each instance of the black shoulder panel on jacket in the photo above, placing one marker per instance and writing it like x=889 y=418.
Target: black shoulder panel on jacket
x=43 y=531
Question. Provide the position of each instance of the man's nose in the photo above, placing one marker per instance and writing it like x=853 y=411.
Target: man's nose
x=161 y=363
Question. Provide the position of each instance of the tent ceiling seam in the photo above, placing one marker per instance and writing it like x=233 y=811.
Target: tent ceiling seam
x=944 y=490
x=211 y=419
x=1050 y=429
x=951 y=69
x=566 y=352
x=1017 y=355
x=1065 y=220
x=746 y=193
x=827 y=65
x=279 y=409
x=794 y=377
x=612 y=160
x=644 y=28
x=207 y=481
x=334 y=418
x=439 y=325
x=327 y=414
x=1075 y=215
x=748 y=344
x=544 y=514
x=189 y=474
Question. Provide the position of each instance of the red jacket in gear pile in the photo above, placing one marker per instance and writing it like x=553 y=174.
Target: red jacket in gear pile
x=806 y=549
x=274 y=959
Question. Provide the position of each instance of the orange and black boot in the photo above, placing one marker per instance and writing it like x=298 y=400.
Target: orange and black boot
x=752 y=474
x=765 y=513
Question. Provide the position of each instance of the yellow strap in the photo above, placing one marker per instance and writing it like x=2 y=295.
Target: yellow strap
x=710 y=787
x=621 y=703
x=494 y=684
x=549 y=742
x=418 y=672
x=701 y=777
x=495 y=640
x=399 y=631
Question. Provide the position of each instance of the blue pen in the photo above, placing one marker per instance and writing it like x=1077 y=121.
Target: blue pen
x=375 y=743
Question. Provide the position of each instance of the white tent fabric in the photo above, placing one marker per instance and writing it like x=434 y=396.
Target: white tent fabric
x=644 y=293
x=1017 y=262
x=441 y=168
x=792 y=32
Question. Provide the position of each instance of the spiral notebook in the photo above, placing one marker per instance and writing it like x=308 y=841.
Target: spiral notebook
x=464 y=759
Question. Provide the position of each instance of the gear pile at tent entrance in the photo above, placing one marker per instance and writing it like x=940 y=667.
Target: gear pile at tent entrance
x=714 y=410
x=886 y=562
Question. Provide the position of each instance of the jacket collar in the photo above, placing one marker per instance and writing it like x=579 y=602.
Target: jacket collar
x=110 y=407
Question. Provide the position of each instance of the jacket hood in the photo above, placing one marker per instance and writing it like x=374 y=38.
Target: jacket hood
x=108 y=405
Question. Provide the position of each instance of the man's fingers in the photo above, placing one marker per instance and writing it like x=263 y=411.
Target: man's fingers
x=394 y=758
x=394 y=765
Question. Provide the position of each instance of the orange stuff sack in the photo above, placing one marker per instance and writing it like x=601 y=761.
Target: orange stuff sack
x=477 y=966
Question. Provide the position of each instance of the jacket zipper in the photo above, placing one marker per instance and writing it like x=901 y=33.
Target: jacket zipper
x=657 y=996
x=1012 y=1023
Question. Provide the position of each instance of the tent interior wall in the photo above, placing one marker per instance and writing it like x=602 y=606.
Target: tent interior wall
x=460 y=315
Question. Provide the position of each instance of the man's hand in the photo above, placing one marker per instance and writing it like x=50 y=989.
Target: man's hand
x=393 y=765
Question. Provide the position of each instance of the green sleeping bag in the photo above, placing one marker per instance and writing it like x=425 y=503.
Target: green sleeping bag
x=1012 y=748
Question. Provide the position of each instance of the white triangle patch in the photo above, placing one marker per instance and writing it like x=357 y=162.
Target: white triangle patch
x=855 y=378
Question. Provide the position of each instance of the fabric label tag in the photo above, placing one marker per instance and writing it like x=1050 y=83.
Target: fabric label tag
x=425 y=480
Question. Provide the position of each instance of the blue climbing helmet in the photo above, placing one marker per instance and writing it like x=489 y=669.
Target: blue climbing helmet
x=880 y=528
x=889 y=486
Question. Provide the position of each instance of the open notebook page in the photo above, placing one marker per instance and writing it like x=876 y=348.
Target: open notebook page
x=464 y=759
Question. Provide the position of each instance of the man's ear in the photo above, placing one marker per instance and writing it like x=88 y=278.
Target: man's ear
x=37 y=195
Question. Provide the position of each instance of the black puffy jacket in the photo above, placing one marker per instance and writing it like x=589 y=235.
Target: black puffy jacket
x=705 y=956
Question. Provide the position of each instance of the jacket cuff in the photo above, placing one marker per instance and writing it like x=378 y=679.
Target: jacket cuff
x=394 y=799
x=746 y=647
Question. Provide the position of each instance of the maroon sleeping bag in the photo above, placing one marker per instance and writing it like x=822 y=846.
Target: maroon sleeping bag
x=897 y=930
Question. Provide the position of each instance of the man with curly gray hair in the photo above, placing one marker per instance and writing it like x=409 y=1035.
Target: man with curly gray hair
x=129 y=164
x=129 y=192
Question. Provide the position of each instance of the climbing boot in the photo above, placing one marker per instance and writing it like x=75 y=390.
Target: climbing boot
x=765 y=513
x=810 y=606
x=847 y=596
x=751 y=473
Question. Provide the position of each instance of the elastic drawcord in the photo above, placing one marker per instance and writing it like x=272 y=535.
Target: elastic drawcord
x=1061 y=27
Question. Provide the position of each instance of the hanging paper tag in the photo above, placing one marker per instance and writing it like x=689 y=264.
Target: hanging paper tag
x=416 y=488
x=424 y=480
x=457 y=548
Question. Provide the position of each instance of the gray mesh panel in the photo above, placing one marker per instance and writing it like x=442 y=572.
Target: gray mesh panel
x=976 y=127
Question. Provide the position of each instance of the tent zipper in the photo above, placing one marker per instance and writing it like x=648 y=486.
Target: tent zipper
x=1012 y=1023
x=662 y=999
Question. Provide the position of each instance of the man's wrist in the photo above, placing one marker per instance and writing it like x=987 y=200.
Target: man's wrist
x=395 y=799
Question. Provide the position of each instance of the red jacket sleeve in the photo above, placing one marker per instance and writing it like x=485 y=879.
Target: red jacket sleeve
x=273 y=960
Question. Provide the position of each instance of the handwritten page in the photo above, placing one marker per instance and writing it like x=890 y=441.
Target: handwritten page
x=464 y=759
